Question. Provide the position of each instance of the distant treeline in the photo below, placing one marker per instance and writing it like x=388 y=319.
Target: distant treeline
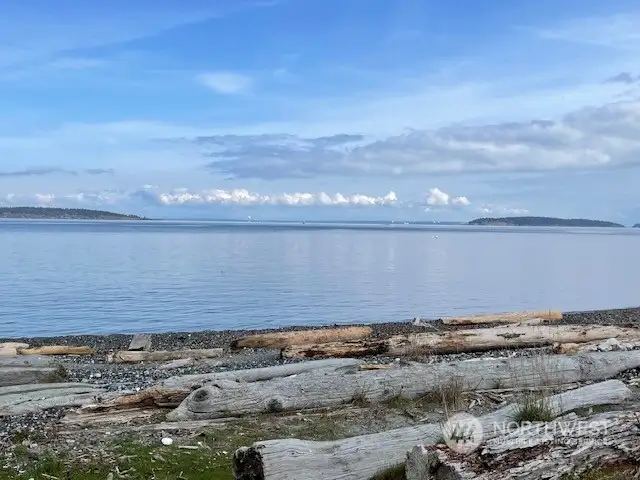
x=543 y=222
x=52 y=213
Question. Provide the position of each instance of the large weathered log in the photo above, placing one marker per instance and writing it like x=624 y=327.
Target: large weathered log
x=18 y=375
x=359 y=458
x=259 y=374
x=158 y=397
x=56 y=350
x=281 y=340
x=326 y=389
x=163 y=355
x=547 y=315
x=471 y=340
x=11 y=348
x=553 y=451
x=21 y=399
x=25 y=369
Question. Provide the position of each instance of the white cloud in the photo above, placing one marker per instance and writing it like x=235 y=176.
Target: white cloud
x=498 y=210
x=154 y=195
x=226 y=82
x=438 y=198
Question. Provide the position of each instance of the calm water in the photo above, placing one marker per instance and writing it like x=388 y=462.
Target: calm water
x=123 y=277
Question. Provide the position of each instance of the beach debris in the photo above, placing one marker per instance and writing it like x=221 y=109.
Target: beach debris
x=167 y=441
x=262 y=373
x=179 y=363
x=537 y=451
x=28 y=369
x=20 y=399
x=280 y=340
x=159 y=397
x=470 y=340
x=163 y=355
x=609 y=345
x=517 y=317
x=363 y=456
x=140 y=341
x=327 y=388
x=56 y=350
x=8 y=349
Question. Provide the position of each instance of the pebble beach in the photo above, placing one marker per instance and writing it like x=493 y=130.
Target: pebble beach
x=130 y=378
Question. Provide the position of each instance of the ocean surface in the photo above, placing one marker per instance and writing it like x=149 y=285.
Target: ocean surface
x=75 y=277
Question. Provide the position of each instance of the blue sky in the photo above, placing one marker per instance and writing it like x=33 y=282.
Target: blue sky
x=394 y=109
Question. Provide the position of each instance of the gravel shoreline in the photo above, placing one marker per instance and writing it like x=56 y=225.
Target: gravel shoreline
x=128 y=378
x=222 y=338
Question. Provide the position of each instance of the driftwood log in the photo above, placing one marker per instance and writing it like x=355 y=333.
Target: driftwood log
x=328 y=388
x=260 y=374
x=11 y=348
x=546 y=315
x=56 y=350
x=609 y=345
x=21 y=370
x=281 y=340
x=471 y=340
x=560 y=449
x=361 y=457
x=163 y=355
x=158 y=397
x=21 y=399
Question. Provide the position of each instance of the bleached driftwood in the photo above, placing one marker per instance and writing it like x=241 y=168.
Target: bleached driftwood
x=259 y=374
x=11 y=348
x=56 y=350
x=163 y=355
x=140 y=341
x=361 y=457
x=471 y=340
x=326 y=389
x=21 y=399
x=609 y=345
x=20 y=370
x=560 y=449
x=547 y=315
x=159 y=397
x=281 y=340
x=18 y=375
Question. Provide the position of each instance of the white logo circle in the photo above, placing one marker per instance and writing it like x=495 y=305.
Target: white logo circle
x=462 y=433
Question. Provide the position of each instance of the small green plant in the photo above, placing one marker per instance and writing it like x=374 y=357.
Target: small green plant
x=396 y=472
x=533 y=407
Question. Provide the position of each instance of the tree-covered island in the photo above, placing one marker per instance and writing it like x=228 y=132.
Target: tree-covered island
x=51 y=213
x=542 y=222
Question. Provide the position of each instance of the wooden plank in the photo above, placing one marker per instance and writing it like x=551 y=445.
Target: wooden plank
x=281 y=340
x=361 y=457
x=140 y=342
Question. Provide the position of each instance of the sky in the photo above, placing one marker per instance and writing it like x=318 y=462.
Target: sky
x=419 y=110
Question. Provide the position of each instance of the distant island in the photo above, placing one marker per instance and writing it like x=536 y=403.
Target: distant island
x=637 y=225
x=543 y=222
x=51 y=213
